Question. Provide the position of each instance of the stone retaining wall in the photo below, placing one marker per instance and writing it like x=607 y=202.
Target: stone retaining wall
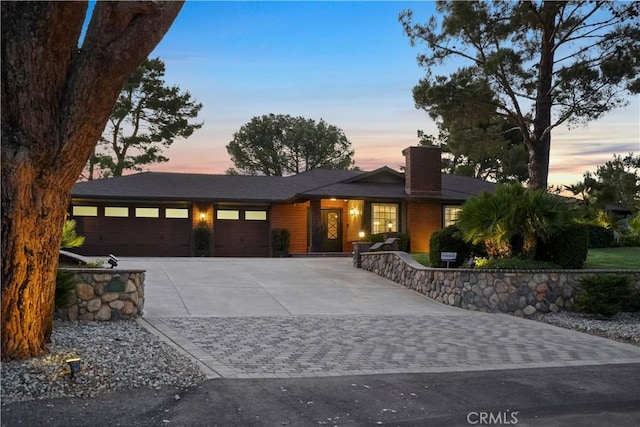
x=106 y=294
x=518 y=292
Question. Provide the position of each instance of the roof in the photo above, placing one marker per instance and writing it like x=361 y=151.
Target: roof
x=383 y=183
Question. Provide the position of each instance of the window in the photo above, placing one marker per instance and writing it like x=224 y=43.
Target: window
x=227 y=214
x=179 y=213
x=451 y=214
x=147 y=212
x=255 y=215
x=121 y=212
x=85 y=211
x=384 y=218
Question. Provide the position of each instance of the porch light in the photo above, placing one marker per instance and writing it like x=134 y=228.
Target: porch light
x=74 y=365
x=353 y=212
x=203 y=216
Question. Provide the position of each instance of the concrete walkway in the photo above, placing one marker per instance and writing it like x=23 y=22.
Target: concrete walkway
x=297 y=318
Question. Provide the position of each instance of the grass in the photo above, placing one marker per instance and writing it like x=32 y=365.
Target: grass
x=602 y=258
x=422 y=258
x=623 y=258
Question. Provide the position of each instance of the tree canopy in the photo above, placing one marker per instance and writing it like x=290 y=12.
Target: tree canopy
x=536 y=64
x=147 y=117
x=617 y=182
x=280 y=145
x=56 y=98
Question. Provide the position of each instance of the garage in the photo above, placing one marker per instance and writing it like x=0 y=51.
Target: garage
x=241 y=231
x=151 y=231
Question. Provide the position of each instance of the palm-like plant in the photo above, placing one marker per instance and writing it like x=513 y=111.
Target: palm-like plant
x=70 y=239
x=491 y=218
x=512 y=220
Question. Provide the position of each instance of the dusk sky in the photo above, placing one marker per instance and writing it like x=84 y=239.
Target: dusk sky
x=346 y=62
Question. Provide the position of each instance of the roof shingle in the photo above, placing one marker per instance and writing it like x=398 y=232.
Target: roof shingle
x=313 y=183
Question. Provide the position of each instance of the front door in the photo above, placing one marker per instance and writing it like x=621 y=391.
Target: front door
x=331 y=230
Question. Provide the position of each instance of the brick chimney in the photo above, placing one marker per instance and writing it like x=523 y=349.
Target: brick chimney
x=422 y=175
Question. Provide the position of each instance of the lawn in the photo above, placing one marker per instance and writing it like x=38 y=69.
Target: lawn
x=624 y=258
x=422 y=258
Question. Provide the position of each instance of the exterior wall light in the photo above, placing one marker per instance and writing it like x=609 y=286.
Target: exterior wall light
x=361 y=235
x=203 y=216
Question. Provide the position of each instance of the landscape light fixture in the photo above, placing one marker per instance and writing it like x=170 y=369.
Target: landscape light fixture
x=74 y=365
x=113 y=261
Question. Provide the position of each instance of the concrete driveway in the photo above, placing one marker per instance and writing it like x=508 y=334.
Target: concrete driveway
x=201 y=287
x=320 y=317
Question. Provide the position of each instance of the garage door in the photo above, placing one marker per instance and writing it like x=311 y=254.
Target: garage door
x=134 y=231
x=241 y=232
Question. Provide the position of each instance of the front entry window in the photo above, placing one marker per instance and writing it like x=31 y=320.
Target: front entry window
x=384 y=217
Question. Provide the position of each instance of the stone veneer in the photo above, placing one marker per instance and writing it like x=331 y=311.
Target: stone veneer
x=106 y=294
x=518 y=292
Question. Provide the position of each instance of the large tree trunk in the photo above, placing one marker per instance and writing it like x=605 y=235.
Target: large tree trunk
x=56 y=100
x=540 y=146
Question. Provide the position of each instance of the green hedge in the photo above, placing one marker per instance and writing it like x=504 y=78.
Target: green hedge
x=599 y=237
x=448 y=240
x=567 y=249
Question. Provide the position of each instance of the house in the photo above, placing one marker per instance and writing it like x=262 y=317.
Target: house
x=155 y=214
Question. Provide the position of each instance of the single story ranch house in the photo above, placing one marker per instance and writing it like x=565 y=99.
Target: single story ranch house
x=156 y=213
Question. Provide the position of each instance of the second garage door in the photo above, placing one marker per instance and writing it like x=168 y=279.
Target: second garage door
x=241 y=232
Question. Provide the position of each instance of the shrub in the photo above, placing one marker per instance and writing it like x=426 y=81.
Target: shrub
x=376 y=238
x=604 y=294
x=70 y=238
x=448 y=240
x=65 y=284
x=201 y=236
x=514 y=263
x=567 y=248
x=599 y=237
x=95 y=263
x=511 y=220
x=280 y=238
x=632 y=304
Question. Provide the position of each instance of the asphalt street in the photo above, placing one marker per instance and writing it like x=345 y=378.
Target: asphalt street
x=604 y=395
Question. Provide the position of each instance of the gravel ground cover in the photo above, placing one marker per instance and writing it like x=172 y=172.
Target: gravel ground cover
x=114 y=355
x=123 y=355
x=623 y=327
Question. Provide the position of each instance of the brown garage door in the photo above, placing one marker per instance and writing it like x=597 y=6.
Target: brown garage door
x=135 y=231
x=241 y=232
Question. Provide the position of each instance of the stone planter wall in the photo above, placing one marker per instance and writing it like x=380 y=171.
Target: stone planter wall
x=518 y=292
x=106 y=294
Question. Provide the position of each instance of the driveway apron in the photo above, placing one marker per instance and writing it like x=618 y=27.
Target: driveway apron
x=319 y=317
